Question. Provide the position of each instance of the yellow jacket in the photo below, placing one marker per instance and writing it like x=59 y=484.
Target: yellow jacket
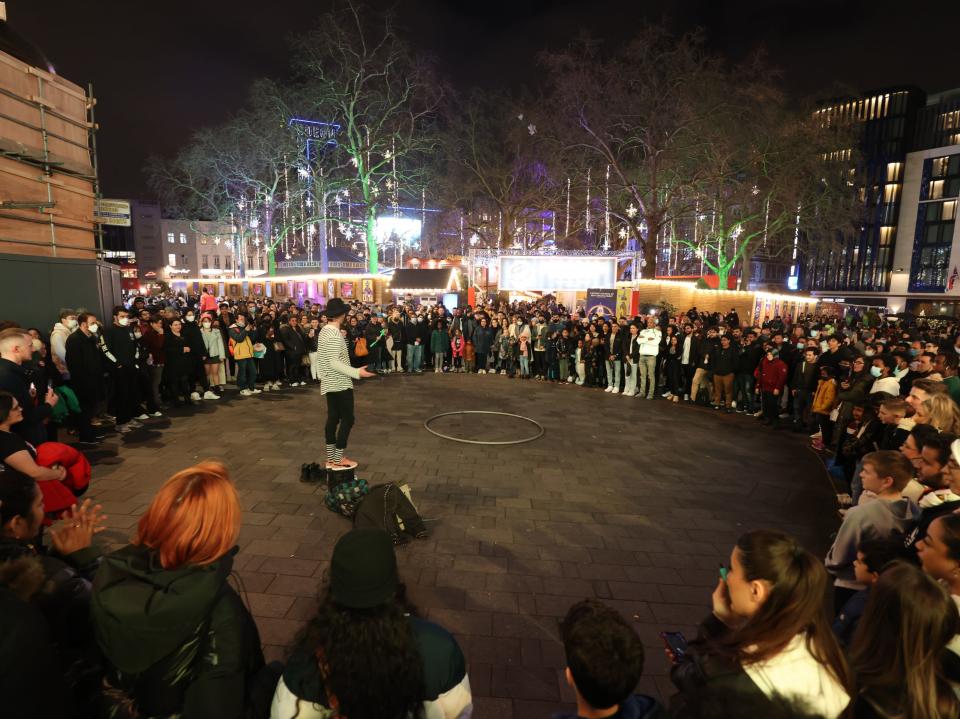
x=825 y=396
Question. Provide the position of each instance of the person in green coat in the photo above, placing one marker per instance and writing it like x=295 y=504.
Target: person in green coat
x=439 y=345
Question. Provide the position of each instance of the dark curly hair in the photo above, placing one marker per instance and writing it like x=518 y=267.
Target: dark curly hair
x=375 y=667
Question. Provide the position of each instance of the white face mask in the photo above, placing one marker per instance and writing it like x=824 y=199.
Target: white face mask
x=123 y=321
x=189 y=318
x=93 y=327
x=71 y=324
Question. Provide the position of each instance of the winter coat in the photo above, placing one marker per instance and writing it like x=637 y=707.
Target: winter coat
x=456 y=347
x=713 y=687
x=242 y=344
x=439 y=342
x=469 y=353
x=179 y=363
x=85 y=357
x=724 y=361
x=771 y=376
x=58 y=347
x=213 y=342
x=482 y=340
x=395 y=330
x=750 y=356
x=122 y=345
x=293 y=344
x=825 y=396
x=177 y=641
x=16 y=380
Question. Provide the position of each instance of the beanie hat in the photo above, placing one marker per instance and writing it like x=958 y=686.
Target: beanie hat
x=363 y=569
x=336 y=308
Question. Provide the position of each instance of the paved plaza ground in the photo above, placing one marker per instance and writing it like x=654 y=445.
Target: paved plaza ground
x=631 y=501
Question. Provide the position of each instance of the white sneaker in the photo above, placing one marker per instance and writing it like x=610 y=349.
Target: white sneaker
x=123 y=428
x=570 y=378
x=629 y=394
x=142 y=416
x=267 y=387
x=503 y=371
x=480 y=371
x=686 y=398
x=616 y=390
x=254 y=391
x=608 y=389
x=666 y=394
x=277 y=385
x=245 y=393
x=157 y=414
x=210 y=395
x=195 y=396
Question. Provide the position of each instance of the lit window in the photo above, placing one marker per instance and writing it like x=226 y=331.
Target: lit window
x=891 y=193
x=936 y=190
x=171 y=238
x=204 y=262
x=172 y=260
x=951 y=119
x=948 y=211
x=938 y=166
x=183 y=238
x=893 y=171
x=203 y=240
x=886 y=234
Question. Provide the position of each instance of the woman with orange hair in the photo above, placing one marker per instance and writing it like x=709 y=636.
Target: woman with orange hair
x=176 y=636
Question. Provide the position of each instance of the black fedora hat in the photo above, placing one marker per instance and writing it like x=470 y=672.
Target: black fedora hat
x=336 y=308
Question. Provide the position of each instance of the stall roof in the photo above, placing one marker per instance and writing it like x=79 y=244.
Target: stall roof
x=444 y=280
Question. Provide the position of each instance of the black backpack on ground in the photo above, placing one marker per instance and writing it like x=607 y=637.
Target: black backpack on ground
x=387 y=507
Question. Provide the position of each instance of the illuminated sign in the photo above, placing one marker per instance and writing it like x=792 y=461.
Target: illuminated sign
x=404 y=230
x=551 y=274
x=112 y=212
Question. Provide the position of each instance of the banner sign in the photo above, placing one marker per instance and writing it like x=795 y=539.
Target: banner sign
x=366 y=290
x=112 y=212
x=601 y=302
x=556 y=274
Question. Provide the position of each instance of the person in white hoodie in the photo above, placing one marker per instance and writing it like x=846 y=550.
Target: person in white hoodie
x=767 y=650
x=885 y=473
x=649 y=341
x=58 y=340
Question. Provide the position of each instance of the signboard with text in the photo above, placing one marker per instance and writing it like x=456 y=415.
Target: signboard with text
x=112 y=212
x=556 y=274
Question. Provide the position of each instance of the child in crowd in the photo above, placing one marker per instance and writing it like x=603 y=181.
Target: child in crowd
x=895 y=427
x=873 y=555
x=469 y=357
x=579 y=362
x=823 y=400
x=553 y=363
x=604 y=663
x=885 y=474
x=439 y=345
x=524 y=352
x=456 y=351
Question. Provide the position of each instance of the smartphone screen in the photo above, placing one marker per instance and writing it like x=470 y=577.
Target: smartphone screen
x=676 y=643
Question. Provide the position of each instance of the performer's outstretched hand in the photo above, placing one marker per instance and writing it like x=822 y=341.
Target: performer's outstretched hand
x=364 y=373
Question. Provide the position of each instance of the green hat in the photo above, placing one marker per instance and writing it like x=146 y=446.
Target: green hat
x=363 y=570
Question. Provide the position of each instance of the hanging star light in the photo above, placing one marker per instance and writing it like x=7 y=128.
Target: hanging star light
x=632 y=211
x=355 y=162
x=737 y=231
x=387 y=155
x=216 y=240
x=622 y=234
x=303 y=172
x=532 y=129
x=389 y=183
x=756 y=190
x=698 y=253
x=287 y=256
x=254 y=223
x=256 y=242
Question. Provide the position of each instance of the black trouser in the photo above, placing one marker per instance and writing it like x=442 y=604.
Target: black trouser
x=339 y=417
x=540 y=363
x=295 y=368
x=481 y=360
x=127 y=393
x=89 y=403
x=770 y=403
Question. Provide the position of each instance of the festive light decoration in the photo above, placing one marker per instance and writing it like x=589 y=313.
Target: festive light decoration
x=632 y=211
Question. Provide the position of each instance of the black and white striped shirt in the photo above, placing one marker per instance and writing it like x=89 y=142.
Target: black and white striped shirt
x=335 y=369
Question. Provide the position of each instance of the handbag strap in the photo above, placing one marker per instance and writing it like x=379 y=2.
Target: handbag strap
x=324 y=666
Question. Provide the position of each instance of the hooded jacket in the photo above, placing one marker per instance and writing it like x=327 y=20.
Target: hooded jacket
x=176 y=641
x=879 y=519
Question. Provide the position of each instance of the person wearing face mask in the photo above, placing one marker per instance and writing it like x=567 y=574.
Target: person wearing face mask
x=86 y=380
x=882 y=372
x=58 y=340
x=213 y=348
x=16 y=353
x=123 y=351
x=196 y=358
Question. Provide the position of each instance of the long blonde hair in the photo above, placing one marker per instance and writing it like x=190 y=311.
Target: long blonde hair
x=941 y=412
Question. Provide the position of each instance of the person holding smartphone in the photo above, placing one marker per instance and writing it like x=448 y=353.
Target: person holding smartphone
x=767 y=647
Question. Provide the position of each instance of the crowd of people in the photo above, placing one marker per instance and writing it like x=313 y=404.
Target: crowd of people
x=156 y=629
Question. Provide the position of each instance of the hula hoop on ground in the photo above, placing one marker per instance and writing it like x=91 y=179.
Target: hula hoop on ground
x=540 y=433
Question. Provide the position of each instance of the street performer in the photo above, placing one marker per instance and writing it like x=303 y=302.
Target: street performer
x=336 y=382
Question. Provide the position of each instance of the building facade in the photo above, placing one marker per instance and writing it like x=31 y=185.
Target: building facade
x=908 y=248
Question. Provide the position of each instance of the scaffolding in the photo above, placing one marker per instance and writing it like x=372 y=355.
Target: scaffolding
x=47 y=138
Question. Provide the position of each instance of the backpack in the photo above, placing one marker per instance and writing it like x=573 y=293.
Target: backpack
x=231 y=343
x=344 y=492
x=388 y=506
x=360 y=348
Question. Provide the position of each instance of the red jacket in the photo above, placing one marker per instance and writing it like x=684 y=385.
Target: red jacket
x=771 y=375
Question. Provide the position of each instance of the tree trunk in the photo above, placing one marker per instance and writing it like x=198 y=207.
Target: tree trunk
x=649 y=270
x=373 y=257
x=746 y=269
x=322 y=239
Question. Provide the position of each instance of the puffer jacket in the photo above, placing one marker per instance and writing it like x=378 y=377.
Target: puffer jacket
x=243 y=345
x=825 y=396
x=771 y=376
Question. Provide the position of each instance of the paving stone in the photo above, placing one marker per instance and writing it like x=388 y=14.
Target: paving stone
x=517 y=534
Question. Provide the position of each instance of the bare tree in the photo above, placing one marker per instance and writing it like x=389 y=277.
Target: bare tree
x=638 y=113
x=358 y=73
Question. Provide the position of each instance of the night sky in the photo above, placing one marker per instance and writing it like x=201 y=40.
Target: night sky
x=165 y=69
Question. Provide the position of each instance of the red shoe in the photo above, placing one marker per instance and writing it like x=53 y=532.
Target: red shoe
x=344 y=463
